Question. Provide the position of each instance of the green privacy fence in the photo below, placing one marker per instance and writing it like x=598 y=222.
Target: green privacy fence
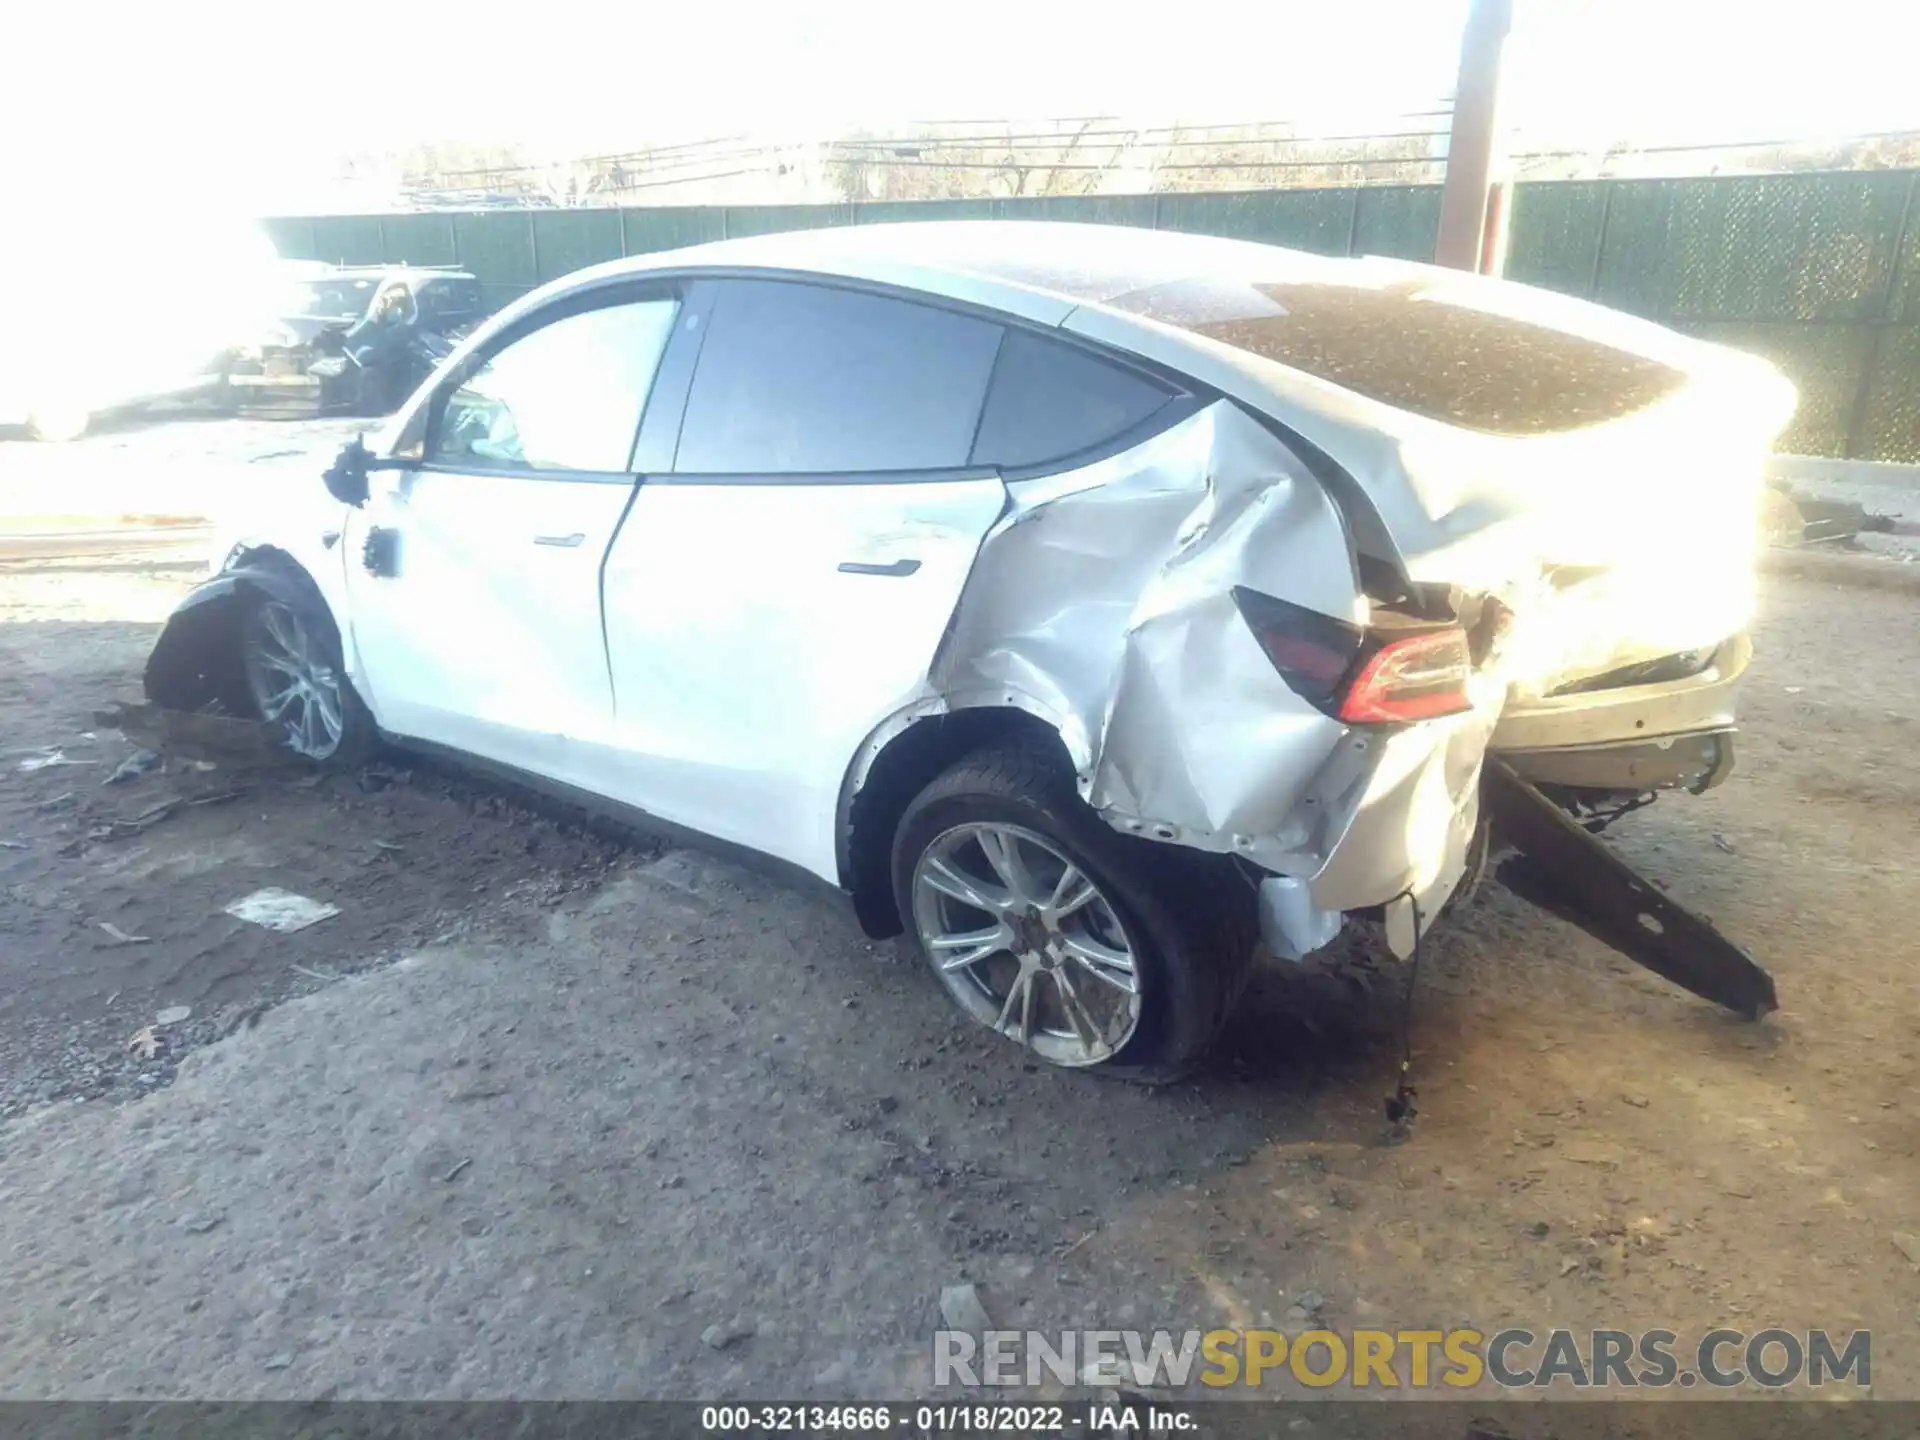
x=1815 y=271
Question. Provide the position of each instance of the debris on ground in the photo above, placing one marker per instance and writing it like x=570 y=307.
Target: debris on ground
x=193 y=735
x=144 y=1042
x=121 y=829
x=730 y=1333
x=960 y=1307
x=173 y=1015
x=1795 y=518
x=13 y=844
x=122 y=937
x=1592 y=1152
x=141 y=762
x=1907 y=1245
x=282 y=910
x=48 y=758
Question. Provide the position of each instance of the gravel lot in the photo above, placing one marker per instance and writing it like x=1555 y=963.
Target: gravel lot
x=543 y=1104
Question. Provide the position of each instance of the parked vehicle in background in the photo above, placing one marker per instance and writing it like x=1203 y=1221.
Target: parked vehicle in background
x=89 y=331
x=1089 y=602
x=353 y=339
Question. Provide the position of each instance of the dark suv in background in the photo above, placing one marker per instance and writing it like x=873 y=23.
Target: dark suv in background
x=354 y=340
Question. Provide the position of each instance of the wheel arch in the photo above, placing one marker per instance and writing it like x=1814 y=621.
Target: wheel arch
x=196 y=661
x=898 y=761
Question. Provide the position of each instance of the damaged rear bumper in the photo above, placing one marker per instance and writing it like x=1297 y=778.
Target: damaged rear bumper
x=1673 y=762
x=1693 y=704
x=1408 y=834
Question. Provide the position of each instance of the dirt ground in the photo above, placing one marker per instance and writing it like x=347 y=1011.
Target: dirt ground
x=540 y=1106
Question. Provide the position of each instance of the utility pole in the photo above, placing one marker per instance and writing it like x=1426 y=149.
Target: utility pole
x=1466 y=207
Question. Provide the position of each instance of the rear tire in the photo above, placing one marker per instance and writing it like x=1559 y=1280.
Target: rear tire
x=1175 y=925
x=291 y=659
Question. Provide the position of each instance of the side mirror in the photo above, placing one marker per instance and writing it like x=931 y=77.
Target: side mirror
x=347 y=479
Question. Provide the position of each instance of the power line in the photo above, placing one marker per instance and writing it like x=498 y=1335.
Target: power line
x=1142 y=139
x=1014 y=164
x=1177 y=136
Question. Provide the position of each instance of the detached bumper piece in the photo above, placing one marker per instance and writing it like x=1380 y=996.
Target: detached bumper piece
x=1564 y=870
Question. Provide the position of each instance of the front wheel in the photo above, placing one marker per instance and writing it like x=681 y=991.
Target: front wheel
x=298 y=683
x=1092 y=949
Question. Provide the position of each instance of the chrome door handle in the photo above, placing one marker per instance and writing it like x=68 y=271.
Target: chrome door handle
x=564 y=542
x=868 y=567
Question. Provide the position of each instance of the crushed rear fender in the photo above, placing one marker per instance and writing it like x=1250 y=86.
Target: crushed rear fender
x=1103 y=602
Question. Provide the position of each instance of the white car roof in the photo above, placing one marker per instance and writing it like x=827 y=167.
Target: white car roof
x=1055 y=265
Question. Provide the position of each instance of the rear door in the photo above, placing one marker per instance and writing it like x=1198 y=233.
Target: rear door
x=784 y=589
x=475 y=579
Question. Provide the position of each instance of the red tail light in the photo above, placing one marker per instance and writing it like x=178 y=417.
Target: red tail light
x=1358 y=675
x=1421 y=677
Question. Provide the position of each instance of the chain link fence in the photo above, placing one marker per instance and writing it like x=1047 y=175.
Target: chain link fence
x=1818 y=272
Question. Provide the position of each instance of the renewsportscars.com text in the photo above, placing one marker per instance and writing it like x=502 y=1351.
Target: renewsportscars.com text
x=1513 y=1358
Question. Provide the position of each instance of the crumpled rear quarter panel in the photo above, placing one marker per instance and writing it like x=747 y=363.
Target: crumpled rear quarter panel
x=1102 y=602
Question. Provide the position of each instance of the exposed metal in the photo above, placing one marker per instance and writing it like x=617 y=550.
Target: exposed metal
x=1578 y=877
x=1027 y=942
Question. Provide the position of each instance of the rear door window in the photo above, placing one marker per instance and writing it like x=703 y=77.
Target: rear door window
x=798 y=379
x=1049 y=401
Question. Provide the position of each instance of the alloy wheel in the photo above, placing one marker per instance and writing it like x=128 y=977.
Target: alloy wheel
x=1024 y=939
x=293 y=681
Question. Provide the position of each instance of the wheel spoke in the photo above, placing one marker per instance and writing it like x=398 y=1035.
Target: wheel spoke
x=1103 y=962
x=274 y=706
x=1003 y=854
x=274 y=655
x=1020 y=997
x=1077 y=1016
x=305 y=730
x=279 y=624
x=943 y=875
x=1073 y=891
x=970 y=947
x=328 y=707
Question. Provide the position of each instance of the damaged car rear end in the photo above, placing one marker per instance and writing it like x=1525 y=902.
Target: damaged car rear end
x=1095 y=605
x=1550 y=511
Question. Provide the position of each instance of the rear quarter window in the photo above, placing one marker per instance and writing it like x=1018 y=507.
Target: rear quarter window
x=1049 y=401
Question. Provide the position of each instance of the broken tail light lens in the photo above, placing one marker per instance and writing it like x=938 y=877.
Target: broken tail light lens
x=1417 y=677
x=1358 y=675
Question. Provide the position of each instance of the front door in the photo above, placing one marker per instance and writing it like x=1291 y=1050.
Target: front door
x=475 y=578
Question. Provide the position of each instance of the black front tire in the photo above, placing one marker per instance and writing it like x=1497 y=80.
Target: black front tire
x=1190 y=916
